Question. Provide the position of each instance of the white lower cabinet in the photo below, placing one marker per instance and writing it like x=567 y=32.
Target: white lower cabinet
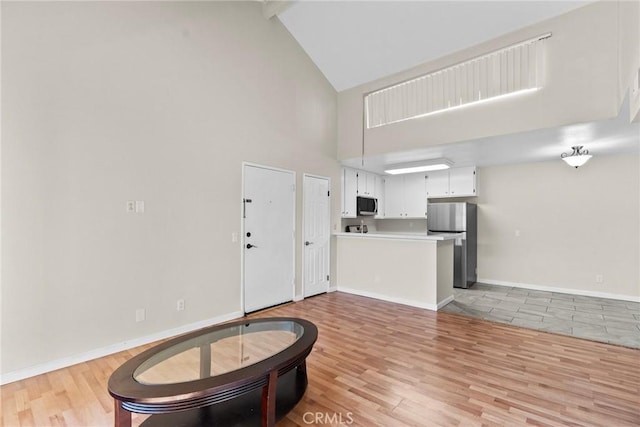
x=405 y=196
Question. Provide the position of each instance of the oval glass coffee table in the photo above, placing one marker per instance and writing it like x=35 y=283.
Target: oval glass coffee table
x=248 y=372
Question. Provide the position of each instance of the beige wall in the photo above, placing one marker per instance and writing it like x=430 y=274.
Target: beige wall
x=629 y=16
x=582 y=84
x=574 y=224
x=105 y=102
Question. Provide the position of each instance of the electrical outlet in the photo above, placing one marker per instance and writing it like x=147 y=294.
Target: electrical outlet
x=599 y=278
x=180 y=305
x=140 y=315
x=131 y=206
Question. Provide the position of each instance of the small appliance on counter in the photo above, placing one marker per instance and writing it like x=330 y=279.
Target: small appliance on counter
x=357 y=228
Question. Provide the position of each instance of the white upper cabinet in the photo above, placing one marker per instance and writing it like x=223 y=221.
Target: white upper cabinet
x=394 y=197
x=462 y=182
x=437 y=183
x=360 y=183
x=455 y=182
x=366 y=184
x=415 y=204
x=380 y=195
x=349 y=192
x=405 y=196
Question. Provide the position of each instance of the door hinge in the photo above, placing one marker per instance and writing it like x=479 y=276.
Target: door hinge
x=293 y=188
x=327 y=277
x=244 y=207
x=328 y=193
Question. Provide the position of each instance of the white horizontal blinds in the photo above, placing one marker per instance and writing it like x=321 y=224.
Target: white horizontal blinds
x=509 y=70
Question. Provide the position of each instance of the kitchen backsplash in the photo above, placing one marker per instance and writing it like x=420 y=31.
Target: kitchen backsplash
x=389 y=225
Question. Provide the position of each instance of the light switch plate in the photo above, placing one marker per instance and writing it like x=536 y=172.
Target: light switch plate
x=139 y=206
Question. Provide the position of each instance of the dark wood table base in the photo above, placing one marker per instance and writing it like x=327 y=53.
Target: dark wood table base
x=246 y=410
x=256 y=394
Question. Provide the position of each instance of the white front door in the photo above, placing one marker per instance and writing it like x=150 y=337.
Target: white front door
x=269 y=237
x=316 y=235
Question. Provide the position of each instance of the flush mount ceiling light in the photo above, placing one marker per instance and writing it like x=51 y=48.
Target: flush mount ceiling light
x=424 y=166
x=577 y=157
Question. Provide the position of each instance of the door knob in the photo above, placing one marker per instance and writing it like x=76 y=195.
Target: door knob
x=308 y=243
x=249 y=246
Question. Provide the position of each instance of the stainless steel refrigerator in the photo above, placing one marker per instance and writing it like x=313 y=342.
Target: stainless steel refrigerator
x=446 y=218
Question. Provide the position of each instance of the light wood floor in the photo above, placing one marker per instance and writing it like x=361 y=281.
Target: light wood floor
x=378 y=363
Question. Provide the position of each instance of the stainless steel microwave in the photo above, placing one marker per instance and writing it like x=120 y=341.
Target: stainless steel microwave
x=367 y=206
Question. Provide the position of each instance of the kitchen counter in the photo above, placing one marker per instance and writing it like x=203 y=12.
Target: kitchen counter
x=407 y=268
x=403 y=236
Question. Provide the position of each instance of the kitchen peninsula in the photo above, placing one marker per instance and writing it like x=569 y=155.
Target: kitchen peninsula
x=407 y=268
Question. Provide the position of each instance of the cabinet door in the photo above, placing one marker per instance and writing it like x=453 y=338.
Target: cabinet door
x=462 y=182
x=415 y=199
x=366 y=184
x=380 y=195
x=349 y=192
x=393 y=197
x=371 y=184
x=437 y=184
x=361 y=180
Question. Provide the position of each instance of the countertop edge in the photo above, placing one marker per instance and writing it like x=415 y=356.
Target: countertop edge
x=396 y=236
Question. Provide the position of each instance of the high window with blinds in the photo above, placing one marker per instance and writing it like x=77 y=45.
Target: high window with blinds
x=511 y=70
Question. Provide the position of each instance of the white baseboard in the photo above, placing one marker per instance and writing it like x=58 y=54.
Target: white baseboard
x=403 y=301
x=297 y=298
x=560 y=290
x=445 y=301
x=332 y=288
x=52 y=365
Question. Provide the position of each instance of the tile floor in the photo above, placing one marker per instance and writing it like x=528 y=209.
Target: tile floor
x=598 y=319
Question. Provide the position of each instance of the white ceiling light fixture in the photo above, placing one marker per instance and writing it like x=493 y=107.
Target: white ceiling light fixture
x=424 y=166
x=577 y=157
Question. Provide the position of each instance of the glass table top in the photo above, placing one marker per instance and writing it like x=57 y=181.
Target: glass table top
x=218 y=352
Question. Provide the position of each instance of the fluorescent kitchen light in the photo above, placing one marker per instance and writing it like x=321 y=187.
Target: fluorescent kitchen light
x=425 y=168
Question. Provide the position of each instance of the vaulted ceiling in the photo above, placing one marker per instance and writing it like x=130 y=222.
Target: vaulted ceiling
x=355 y=42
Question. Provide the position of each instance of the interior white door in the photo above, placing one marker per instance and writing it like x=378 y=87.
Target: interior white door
x=269 y=237
x=316 y=235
